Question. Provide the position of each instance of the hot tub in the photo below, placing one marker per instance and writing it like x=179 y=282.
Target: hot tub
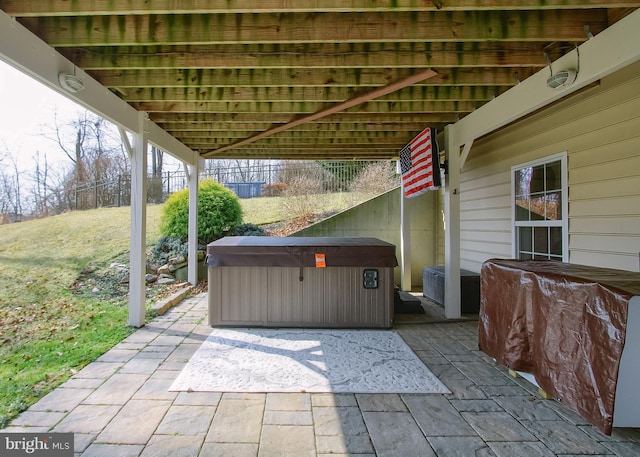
x=301 y=282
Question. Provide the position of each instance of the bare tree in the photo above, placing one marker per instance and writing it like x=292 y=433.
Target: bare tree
x=157 y=156
x=96 y=151
x=155 y=186
x=10 y=190
x=89 y=141
x=40 y=186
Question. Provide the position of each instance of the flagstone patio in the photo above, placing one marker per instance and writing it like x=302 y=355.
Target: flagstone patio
x=120 y=406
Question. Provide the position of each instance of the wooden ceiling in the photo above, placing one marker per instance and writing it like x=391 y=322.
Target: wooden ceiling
x=309 y=79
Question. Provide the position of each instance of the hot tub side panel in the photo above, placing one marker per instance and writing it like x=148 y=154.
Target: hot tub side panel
x=335 y=297
x=237 y=296
x=275 y=296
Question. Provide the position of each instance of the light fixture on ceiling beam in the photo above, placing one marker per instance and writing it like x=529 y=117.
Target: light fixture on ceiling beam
x=70 y=83
x=562 y=78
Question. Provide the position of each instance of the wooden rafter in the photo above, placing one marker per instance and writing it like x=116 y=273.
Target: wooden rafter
x=331 y=110
x=213 y=72
x=314 y=55
x=437 y=26
x=265 y=94
x=313 y=77
x=26 y=8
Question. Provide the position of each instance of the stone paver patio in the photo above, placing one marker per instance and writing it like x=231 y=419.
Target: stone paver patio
x=120 y=406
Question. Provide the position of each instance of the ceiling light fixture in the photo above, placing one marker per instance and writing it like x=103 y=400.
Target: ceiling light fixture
x=562 y=78
x=70 y=83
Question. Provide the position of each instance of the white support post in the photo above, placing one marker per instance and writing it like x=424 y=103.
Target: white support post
x=452 y=309
x=405 y=245
x=138 y=255
x=193 y=225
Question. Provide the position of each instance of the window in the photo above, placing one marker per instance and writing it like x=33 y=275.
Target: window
x=539 y=205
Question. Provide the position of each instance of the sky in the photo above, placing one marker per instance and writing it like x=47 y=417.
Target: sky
x=25 y=106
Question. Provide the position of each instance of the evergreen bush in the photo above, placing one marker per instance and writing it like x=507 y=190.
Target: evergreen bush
x=247 y=230
x=219 y=211
x=167 y=247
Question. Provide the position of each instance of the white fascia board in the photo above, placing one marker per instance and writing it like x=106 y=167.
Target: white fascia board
x=612 y=49
x=26 y=52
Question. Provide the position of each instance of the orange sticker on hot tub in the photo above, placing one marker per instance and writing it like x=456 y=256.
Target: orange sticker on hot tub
x=320 y=261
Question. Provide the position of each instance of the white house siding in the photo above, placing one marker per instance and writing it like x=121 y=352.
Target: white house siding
x=600 y=130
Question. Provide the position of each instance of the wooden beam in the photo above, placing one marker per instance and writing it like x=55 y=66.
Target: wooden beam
x=304 y=144
x=374 y=120
x=332 y=110
x=26 y=8
x=122 y=80
x=190 y=29
x=242 y=130
x=302 y=147
x=382 y=106
x=315 y=55
x=307 y=94
x=317 y=154
x=309 y=136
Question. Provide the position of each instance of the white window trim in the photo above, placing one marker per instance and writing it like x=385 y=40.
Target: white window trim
x=562 y=157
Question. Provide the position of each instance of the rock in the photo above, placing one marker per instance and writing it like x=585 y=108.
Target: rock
x=177 y=260
x=164 y=269
x=118 y=267
x=162 y=281
x=95 y=290
x=149 y=278
x=177 y=266
x=152 y=267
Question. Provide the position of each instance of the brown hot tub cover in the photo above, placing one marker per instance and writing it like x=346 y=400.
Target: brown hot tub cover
x=561 y=322
x=299 y=252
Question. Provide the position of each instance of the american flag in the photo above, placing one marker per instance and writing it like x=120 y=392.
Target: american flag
x=419 y=174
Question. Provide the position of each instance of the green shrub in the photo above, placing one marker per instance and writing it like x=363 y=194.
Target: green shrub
x=247 y=230
x=219 y=211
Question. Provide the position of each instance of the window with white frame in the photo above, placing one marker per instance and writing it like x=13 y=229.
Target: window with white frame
x=540 y=209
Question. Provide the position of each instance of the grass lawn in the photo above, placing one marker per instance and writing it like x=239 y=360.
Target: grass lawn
x=47 y=331
x=267 y=210
x=50 y=327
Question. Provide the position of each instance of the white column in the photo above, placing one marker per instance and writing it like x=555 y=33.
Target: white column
x=138 y=255
x=405 y=244
x=452 y=226
x=193 y=224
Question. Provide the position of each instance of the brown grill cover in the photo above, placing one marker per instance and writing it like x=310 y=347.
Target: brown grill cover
x=561 y=322
x=272 y=251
